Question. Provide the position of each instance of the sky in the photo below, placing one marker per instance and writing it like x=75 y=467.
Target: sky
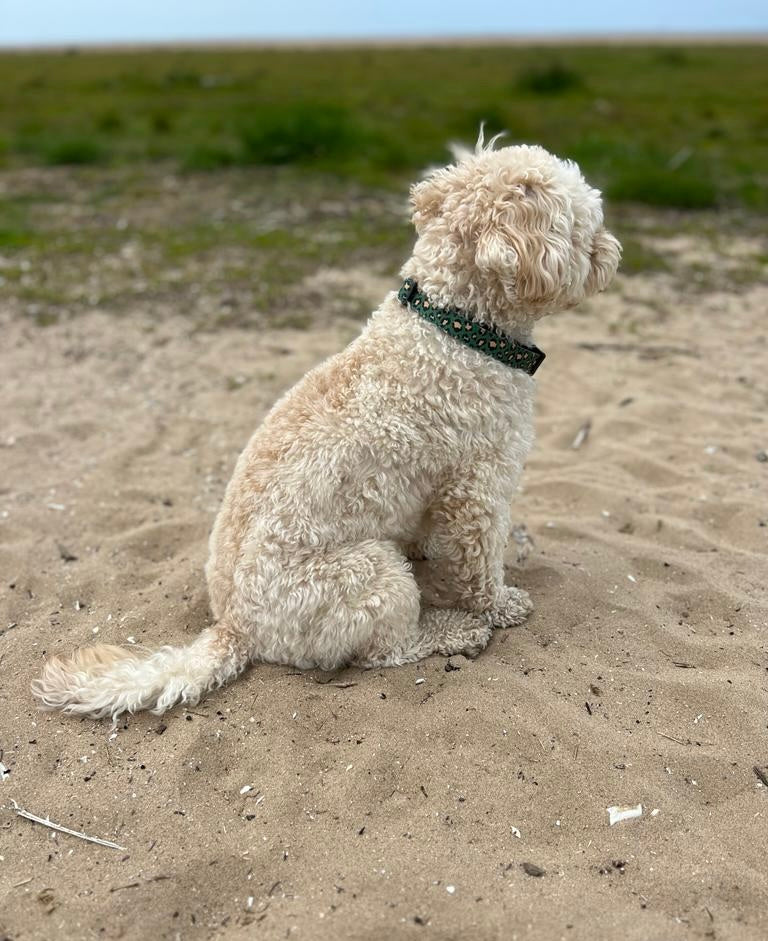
x=34 y=22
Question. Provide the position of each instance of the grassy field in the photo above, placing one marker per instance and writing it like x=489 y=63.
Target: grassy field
x=218 y=184
x=681 y=127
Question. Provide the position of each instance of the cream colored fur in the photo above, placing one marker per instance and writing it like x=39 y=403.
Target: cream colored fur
x=366 y=520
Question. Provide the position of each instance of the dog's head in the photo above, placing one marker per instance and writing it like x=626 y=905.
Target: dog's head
x=516 y=232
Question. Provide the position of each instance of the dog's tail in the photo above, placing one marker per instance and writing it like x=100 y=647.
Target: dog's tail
x=106 y=680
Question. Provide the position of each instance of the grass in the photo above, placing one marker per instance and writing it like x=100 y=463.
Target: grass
x=222 y=247
x=71 y=151
x=638 y=258
x=234 y=247
x=661 y=126
x=214 y=183
x=661 y=186
x=305 y=133
x=551 y=79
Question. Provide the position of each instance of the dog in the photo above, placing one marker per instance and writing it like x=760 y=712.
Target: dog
x=366 y=520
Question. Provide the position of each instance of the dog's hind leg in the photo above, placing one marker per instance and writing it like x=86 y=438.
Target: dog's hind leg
x=331 y=605
x=355 y=603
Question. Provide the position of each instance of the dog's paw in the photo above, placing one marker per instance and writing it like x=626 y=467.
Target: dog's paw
x=474 y=642
x=513 y=608
x=453 y=631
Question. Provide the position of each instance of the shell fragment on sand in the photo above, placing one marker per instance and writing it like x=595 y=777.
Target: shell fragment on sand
x=617 y=814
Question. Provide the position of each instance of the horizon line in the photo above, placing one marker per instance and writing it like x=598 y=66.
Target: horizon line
x=700 y=37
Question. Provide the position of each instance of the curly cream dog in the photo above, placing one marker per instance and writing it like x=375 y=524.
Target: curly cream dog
x=406 y=446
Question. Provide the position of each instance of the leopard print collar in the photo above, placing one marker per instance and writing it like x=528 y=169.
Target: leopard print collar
x=473 y=333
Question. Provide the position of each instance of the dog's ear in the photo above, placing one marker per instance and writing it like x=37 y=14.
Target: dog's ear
x=494 y=252
x=495 y=249
x=528 y=258
x=603 y=261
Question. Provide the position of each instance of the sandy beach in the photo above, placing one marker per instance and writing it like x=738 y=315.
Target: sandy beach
x=461 y=800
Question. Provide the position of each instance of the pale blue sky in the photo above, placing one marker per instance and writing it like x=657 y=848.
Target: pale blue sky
x=80 y=21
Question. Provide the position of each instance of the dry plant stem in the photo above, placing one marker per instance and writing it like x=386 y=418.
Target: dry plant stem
x=56 y=826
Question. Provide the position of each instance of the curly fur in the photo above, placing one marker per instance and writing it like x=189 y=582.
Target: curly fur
x=367 y=517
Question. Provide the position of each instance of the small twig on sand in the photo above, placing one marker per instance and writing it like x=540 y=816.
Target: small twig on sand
x=672 y=738
x=330 y=681
x=582 y=434
x=761 y=774
x=683 y=664
x=56 y=826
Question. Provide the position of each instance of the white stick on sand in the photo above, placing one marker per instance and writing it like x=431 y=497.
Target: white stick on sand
x=57 y=826
x=582 y=434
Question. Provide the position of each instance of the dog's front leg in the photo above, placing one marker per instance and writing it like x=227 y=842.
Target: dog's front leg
x=469 y=526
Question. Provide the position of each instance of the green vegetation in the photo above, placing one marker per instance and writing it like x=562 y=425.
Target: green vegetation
x=72 y=151
x=240 y=187
x=680 y=127
x=551 y=79
x=223 y=247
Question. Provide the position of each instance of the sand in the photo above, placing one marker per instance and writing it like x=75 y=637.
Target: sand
x=466 y=803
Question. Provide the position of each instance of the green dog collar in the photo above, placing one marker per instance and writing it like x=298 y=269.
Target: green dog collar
x=472 y=333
